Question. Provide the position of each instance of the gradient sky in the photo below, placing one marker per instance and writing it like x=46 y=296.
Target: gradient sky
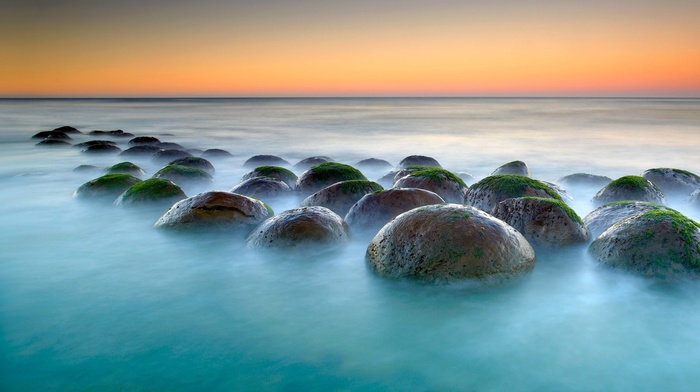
x=355 y=48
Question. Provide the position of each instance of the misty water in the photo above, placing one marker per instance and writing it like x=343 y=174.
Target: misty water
x=92 y=297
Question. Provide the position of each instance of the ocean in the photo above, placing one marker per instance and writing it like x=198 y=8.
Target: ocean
x=92 y=297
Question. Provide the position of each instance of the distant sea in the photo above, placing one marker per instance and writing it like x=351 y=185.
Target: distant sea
x=92 y=297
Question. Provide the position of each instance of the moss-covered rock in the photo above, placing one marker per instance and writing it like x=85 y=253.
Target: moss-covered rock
x=585 y=180
x=544 y=222
x=183 y=174
x=86 y=168
x=141 y=140
x=163 y=156
x=443 y=182
x=146 y=150
x=307 y=163
x=673 y=182
x=196 y=162
x=629 y=188
x=263 y=188
x=325 y=174
x=340 y=196
x=603 y=217
x=265 y=160
x=418 y=160
x=215 y=210
x=276 y=172
x=153 y=191
x=126 y=168
x=518 y=168
x=444 y=243
x=490 y=191
x=661 y=244
x=303 y=227
x=107 y=187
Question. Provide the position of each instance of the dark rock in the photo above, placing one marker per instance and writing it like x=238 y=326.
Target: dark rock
x=325 y=174
x=607 y=215
x=86 y=168
x=141 y=140
x=443 y=182
x=340 y=196
x=102 y=149
x=216 y=153
x=95 y=143
x=276 y=172
x=629 y=188
x=66 y=129
x=170 y=146
x=153 y=191
x=490 y=191
x=52 y=135
x=417 y=160
x=265 y=160
x=518 y=168
x=374 y=164
x=301 y=227
x=142 y=151
x=183 y=175
x=126 y=168
x=163 y=156
x=107 y=187
x=307 y=163
x=585 y=179
x=53 y=143
x=444 y=243
x=196 y=162
x=115 y=133
x=673 y=182
x=262 y=188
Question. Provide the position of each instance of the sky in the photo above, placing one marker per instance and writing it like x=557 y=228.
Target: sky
x=210 y=48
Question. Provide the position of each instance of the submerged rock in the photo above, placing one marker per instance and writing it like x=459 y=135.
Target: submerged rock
x=341 y=196
x=196 y=162
x=216 y=153
x=183 y=174
x=661 y=244
x=86 y=168
x=146 y=150
x=445 y=183
x=52 y=135
x=126 y=168
x=102 y=149
x=66 y=129
x=490 y=191
x=300 y=227
x=673 y=182
x=311 y=162
x=608 y=214
x=107 y=187
x=518 y=168
x=163 y=156
x=53 y=143
x=265 y=160
x=141 y=140
x=216 y=210
x=629 y=188
x=585 y=179
x=443 y=243
x=374 y=164
x=418 y=160
x=543 y=222
x=153 y=191
x=276 y=172
x=262 y=188
x=325 y=174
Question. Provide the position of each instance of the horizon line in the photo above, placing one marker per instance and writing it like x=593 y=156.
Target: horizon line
x=359 y=97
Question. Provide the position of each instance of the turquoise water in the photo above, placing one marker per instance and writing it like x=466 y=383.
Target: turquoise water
x=93 y=298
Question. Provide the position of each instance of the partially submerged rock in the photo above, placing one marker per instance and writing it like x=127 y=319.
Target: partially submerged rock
x=145 y=150
x=107 y=187
x=153 y=191
x=53 y=143
x=661 y=244
x=94 y=143
x=629 y=188
x=307 y=163
x=443 y=182
x=216 y=210
x=216 y=153
x=341 y=196
x=444 y=243
x=262 y=188
x=325 y=174
x=373 y=164
x=276 y=172
x=300 y=227
x=418 y=160
x=673 y=182
x=126 y=168
x=543 y=222
x=66 y=129
x=102 y=149
x=265 y=160
x=608 y=214
x=163 y=156
x=52 y=135
x=141 y=140
x=490 y=191
x=585 y=180
x=183 y=174
x=196 y=162
x=518 y=168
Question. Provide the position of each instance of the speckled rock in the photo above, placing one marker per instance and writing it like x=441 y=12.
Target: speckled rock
x=544 y=222
x=445 y=183
x=661 y=244
x=265 y=160
x=196 y=162
x=449 y=242
x=141 y=140
x=153 y=191
x=629 y=188
x=276 y=172
x=490 y=191
x=107 y=187
x=374 y=210
x=300 y=228
x=603 y=217
x=263 y=188
x=518 y=168
x=183 y=175
x=585 y=180
x=673 y=182
x=307 y=163
x=126 y=168
x=418 y=160
x=325 y=174
x=216 y=210
x=341 y=196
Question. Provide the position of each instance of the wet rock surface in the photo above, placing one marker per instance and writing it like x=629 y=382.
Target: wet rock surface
x=341 y=196
x=607 y=215
x=196 y=162
x=418 y=160
x=126 y=168
x=629 y=188
x=276 y=172
x=263 y=188
x=673 y=182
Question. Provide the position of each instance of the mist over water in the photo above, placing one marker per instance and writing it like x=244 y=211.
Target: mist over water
x=93 y=298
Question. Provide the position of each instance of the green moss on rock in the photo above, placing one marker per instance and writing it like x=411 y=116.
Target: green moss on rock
x=152 y=190
x=357 y=186
x=337 y=172
x=559 y=203
x=177 y=173
x=438 y=175
x=125 y=168
x=514 y=185
x=107 y=186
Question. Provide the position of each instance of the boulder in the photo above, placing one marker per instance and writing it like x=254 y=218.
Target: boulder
x=262 y=188
x=374 y=210
x=86 y=168
x=307 y=163
x=145 y=150
x=629 y=188
x=490 y=191
x=95 y=143
x=196 y=162
x=52 y=135
x=107 y=187
x=265 y=160
x=163 y=156
x=116 y=133
x=544 y=222
x=340 y=196
x=585 y=180
x=183 y=174
x=387 y=180
x=126 y=168
x=673 y=182
x=325 y=174
x=276 y=172
x=102 y=149
x=518 y=168
x=216 y=153
x=153 y=191
x=373 y=164
x=141 y=140
x=661 y=244
x=449 y=242
x=53 y=143
x=300 y=228
x=216 y=210
x=443 y=182
x=66 y=129
x=608 y=214
x=418 y=160
x=170 y=146
x=466 y=177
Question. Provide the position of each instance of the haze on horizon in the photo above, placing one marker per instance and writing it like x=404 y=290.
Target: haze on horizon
x=341 y=48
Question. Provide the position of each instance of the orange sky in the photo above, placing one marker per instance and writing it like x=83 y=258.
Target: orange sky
x=336 y=48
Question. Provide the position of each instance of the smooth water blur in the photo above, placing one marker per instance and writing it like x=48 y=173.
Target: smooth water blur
x=93 y=298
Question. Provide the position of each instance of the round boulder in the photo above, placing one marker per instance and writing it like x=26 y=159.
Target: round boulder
x=153 y=191
x=216 y=210
x=265 y=160
x=311 y=162
x=107 y=187
x=443 y=182
x=183 y=174
x=102 y=149
x=544 y=222
x=443 y=243
x=141 y=140
x=66 y=129
x=490 y=191
x=276 y=172
x=145 y=150
x=417 y=160
x=373 y=164
x=662 y=244
x=163 y=156
x=196 y=162
x=325 y=174
x=673 y=182
x=518 y=168
x=340 y=196
x=300 y=227
x=126 y=168
x=52 y=135
x=216 y=153
x=608 y=214
x=585 y=180
x=262 y=188
x=629 y=188
x=94 y=143
x=53 y=143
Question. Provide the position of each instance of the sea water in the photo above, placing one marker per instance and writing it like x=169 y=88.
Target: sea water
x=92 y=297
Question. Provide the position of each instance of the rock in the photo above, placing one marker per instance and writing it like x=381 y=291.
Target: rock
x=216 y=210
x=307 y=163
x=53 y=143
x=145 y=150
x=607 y=215
x=325 y=174
x=417 y=160
x=170 y=146
x=374 y=210
x=673 y=182
x=52 y=134
x=163 y=156
x=340 y=196
x=265 y=160
x=518 y=168
x=661 y=244
x=141 y=140
x=490 y=191
x=300 y=227
x=449 y=242
x=387 y=180
x=466 y=177
x=95 y=143
x=66 y=129
x=126 y=168
x=373 y=164
x=560 y=191
x=445 y=183
x=183 y=174
x=196 y=162
x=629 y=188
x=585 y=179
x=543 y=222
x=102 y=149
x=276 y=172
x=86 y=168
x=216 y=153
x=399 y=174
x=116 y=133
x=153 y=191
x=262 y=188
x=107 y=187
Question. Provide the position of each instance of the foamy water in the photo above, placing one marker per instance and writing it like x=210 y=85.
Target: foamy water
x=93 y=298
